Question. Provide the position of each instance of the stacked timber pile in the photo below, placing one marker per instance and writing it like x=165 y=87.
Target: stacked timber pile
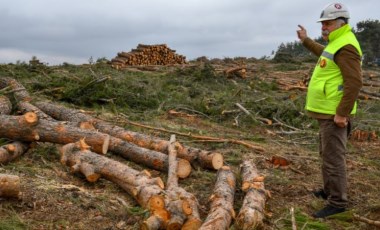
x=148 y=55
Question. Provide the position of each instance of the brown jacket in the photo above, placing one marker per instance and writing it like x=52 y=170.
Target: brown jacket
x=349 y=62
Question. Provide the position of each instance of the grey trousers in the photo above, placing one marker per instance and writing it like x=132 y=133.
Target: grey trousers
x=332 y=149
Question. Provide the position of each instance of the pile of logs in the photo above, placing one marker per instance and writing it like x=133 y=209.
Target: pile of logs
x=147 y=55
x=83 y=142
x=239 y=71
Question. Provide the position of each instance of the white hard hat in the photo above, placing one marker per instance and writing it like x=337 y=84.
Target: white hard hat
x=334 y=11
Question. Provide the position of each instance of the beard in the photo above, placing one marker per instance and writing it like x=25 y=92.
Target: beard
x=325 y=33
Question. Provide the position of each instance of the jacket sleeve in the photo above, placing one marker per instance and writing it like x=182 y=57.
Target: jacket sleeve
x=349 y=62
x=313 y=46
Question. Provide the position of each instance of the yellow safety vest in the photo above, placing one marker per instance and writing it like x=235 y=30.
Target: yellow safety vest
x=326 y=85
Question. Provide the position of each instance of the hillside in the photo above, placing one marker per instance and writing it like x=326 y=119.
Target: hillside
x=200 y=98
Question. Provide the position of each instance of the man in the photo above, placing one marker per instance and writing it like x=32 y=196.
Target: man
x=331 y=99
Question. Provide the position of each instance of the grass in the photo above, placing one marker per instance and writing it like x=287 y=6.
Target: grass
x=12 y=221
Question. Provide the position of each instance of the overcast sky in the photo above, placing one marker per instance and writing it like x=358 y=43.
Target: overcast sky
x=72 y=31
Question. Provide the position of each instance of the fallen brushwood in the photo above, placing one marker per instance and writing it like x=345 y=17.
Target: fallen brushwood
x=222 y=201
x=204 y=158
x=203 y=139
x=251 y=213
x=9 y=186
x=366 y=220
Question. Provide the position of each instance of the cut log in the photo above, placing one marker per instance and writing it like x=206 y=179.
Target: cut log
x=29 y=128
x=172 y=181
x=239 y=71
x=149 y=158
x=206 y=159
x=138 y=184
x=251 y=214
x=222 y=201
x=18 y=90
x=147 y=55
x=147 y=191
x=12 y=151
x=5 y=105
x=25 y=106
x=181 y=204
x=9 y=186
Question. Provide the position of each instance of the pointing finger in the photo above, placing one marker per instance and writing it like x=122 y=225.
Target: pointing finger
x=301 y=27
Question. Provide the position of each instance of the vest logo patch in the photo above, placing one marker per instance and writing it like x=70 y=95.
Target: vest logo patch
x=323 y=63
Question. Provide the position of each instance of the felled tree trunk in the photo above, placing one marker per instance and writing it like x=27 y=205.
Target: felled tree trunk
x=222 y=201
x=18 y=90
x=29 y=128
x=182 y=205
x=5 y=105
x=25 y=106
x=9 y=186
x=206 y=159
x=147 y=191
x=12 y=151
x=139 y=185
x=239 y=71
x=251 y=214
x=150 y=158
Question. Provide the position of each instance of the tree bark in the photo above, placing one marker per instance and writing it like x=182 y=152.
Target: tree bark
x=5 y=105
x=222 y=199
x=172 y=181
x=182 y=205
x=25 y=106
x=9 y=186
x=251 y=214
x=206 y=159
x=18 y=90
x=147 y=191
x=179 y=204
x=238 y=71
x=29 y=128
x=149 y=158
x=12 y=151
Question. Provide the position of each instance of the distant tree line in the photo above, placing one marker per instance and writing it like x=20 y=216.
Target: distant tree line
x=367 y=32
